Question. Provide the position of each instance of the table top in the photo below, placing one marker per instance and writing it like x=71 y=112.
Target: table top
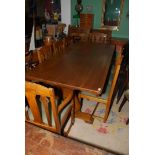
x=84 y=66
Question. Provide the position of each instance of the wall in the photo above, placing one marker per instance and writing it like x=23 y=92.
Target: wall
x=66 y=13
x=97 y=11
x=40 y=8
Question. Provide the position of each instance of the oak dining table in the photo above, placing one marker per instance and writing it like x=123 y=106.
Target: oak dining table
x=83 y=66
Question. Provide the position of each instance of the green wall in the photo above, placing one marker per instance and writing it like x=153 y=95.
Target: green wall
x=97 y=11
x=124 y=25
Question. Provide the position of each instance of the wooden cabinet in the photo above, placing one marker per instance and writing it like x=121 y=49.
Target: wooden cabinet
x=86 y=20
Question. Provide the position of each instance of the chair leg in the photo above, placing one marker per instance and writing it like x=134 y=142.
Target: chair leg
x=95 y=109
x=73 y=112
x=72 y=119
x=27 y=115
x=122 y=84
x=119 y=95
x=123 y=102
x=106 y=112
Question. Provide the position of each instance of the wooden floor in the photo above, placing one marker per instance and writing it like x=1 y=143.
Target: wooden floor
x=43 y=142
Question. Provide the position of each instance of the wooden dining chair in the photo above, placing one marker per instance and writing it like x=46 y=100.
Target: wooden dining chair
x=44 y=110
x=67 y=40
x=76 y=34
x=60 y=28
x=41 y=54
x=125 y=98
x=123 y=78
x=84 y=34
x=98 y=37
x=48 y=45
x=107 y=96
x=58 y=47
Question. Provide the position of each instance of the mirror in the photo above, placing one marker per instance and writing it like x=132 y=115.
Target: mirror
x=111 y=14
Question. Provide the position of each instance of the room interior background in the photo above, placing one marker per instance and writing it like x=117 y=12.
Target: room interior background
x=97 y=11
x=89 y=6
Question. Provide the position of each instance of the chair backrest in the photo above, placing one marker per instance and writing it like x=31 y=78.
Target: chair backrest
x=84 y=34
x=72 y=30
x=48 y=40
x=67 y=41
x=43 y=53
x=118 y=61
x=98 y=37
x=51 y=29
x=61 y=27
x=47 y=97
x=58 y=47
x=81 y=32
